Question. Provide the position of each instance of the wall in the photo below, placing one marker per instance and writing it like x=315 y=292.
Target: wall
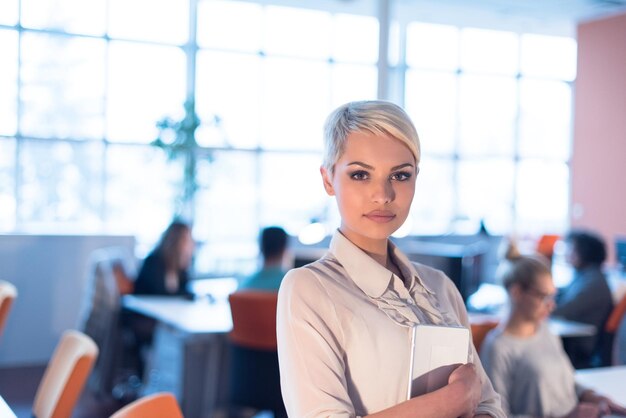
x=598 y=165
x=50 y=273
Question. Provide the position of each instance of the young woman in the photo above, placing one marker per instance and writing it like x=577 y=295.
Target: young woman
x=526 y=363
x=344 y=321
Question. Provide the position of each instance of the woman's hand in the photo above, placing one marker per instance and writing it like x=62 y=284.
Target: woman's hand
x=466 y=376
x=585 y=410
x=606 y=405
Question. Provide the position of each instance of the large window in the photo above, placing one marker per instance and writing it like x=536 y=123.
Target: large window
x=84 y=83
x=493 y=110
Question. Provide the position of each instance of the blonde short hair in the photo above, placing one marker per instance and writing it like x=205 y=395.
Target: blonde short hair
x=375 y=116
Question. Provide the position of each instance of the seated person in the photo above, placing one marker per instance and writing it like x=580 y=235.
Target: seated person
x=588 y=297
x=163 y=273
x=273 y=246
x=525 y=362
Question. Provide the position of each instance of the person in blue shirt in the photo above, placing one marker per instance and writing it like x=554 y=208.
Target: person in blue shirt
x=273 y=245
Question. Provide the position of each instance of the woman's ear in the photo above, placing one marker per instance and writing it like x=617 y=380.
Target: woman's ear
x=326 y=178
x=515 y=291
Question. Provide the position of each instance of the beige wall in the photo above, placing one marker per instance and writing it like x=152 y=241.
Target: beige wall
x=598 y=165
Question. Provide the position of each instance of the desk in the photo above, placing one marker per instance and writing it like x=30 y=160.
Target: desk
x=608 y=381
x=5 y=410
x=561 y=327
x=188 y=350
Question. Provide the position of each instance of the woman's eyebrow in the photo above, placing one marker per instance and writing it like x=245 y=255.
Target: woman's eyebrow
x=362 y=164
x=369 y=167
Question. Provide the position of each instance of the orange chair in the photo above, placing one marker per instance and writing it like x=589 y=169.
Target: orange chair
x=158 y=405
x=616 y=316
x=545 y=245
x=254 y=319
x=65 y=376
x=8 y=293
x=254 y=375
x=480 y=330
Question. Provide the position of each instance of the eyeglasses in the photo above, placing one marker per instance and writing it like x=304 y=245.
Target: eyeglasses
x=543 y=296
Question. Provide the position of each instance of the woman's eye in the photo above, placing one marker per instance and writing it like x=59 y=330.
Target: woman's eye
x=359 y=175
x=401 y=176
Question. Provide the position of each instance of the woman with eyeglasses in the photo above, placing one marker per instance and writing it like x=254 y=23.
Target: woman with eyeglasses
x=524 y=360
x=344 y=321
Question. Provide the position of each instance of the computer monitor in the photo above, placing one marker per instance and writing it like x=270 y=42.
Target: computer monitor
x=620 y=252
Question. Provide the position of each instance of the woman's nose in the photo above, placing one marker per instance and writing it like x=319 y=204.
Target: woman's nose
x=382 y=192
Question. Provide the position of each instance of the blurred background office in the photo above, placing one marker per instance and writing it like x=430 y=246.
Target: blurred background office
x=118 y=115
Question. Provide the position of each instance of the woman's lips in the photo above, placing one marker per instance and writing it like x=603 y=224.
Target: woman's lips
x=380 y=216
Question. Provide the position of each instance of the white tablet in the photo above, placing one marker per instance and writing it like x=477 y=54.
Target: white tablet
x=435 y=352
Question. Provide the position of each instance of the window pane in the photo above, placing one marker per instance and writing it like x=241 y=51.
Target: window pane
x=355 y=39
x=309 y=32
x=542 y=196
x=62 y=86
x=431 y=100
x=486 y=192
x=228 y=24
x=149 y=20
x=488 y=110
x=489 y=51
x=227 y=222
x=219 y=75
x=141 y=190
x=353 y=82
x=291 y=191
x=8 y=12
x=146 y=83
x=432 y=46
x=8 y=82
x=60 y=184
x=296 y=102
x=548 y=56
x=545 y=119
x=7 y=184
x=75 y=16
x=433 y=205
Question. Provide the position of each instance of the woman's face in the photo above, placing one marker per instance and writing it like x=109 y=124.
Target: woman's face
x=374 y=183
x=186 y=247
x=537 y=302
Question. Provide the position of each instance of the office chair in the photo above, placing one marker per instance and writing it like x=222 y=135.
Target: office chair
x=65 y=376
x=614 y=329
x=8 y=293
x=479 y=332
x=158 y=405
x=254 y=375
x=101 y=316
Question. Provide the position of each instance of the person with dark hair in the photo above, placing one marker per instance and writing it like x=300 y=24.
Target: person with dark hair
x=587 y=298
x=273 y=245
x=164 y=272
x=166 y=269
x=524 y=360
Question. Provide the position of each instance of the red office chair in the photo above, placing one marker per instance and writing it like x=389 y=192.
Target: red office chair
x=254 y=375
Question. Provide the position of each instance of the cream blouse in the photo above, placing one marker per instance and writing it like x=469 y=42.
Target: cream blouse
x=343 y=332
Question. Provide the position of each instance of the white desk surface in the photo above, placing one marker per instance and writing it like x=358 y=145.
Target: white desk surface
x=609 y=381
x=196 y=317
x=5 y=410
x=560 y=327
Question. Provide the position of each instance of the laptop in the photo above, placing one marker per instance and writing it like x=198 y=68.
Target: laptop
x=435 y=352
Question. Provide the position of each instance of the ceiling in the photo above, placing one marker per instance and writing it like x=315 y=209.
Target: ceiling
x=558 y=17
x=573 y=10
